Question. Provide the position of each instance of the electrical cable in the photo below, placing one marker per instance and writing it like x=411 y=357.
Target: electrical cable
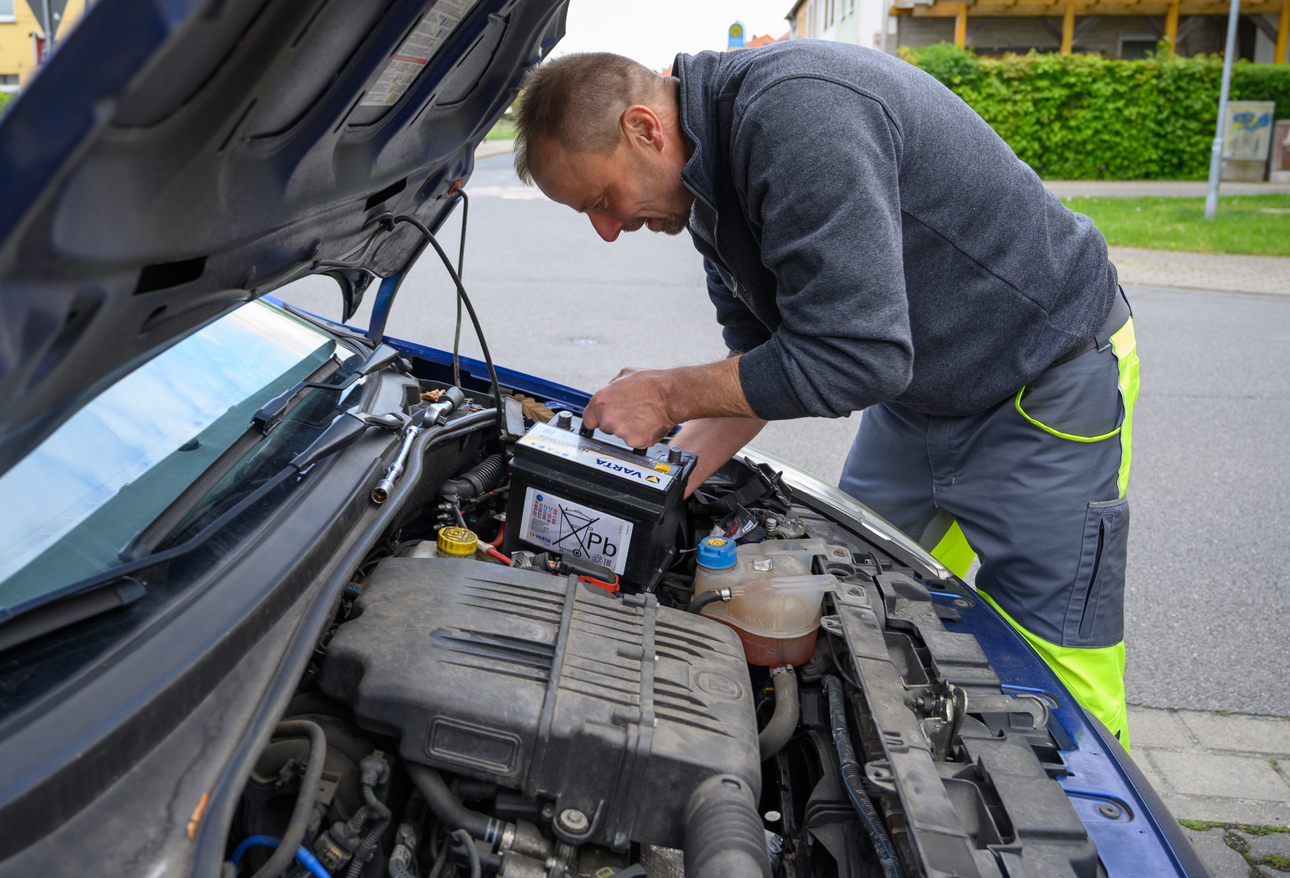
x=475 y=869
x=461 y=264
x=303 y=856
x=498 y=555
x=470 y=309
x=851 y=777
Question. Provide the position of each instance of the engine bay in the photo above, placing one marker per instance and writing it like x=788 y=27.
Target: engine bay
x=556 y=663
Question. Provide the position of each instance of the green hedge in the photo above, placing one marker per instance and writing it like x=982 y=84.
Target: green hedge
x=5 y=98
x=1084 y=117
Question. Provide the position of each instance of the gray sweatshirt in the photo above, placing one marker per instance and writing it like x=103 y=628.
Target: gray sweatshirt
x=868 y=237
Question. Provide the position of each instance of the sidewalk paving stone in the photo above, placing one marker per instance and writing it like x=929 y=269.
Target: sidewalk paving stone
x=1157 y=188
x=1254 y=734
x=1154 y=777
x=1221 y=776
x=1215 y=810
x=1152 y=727
x=1221 y=859
x=1225 y=272
x=1274 y=844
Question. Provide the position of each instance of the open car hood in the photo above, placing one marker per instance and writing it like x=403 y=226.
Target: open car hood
x=177 y=158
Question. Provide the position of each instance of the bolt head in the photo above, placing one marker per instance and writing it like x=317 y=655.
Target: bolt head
x=1109 y=810
x=853 y=591
x=573 y=820
x=959 y=602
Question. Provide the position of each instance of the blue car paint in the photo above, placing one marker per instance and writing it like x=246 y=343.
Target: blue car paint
x=1145 y=839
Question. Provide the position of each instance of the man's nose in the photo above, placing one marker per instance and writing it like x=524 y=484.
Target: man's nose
x=606 y=226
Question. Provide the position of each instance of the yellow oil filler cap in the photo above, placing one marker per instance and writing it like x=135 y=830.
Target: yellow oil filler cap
x=457 y=541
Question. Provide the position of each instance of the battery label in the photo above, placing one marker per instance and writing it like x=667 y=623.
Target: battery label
x=598 y=455
x=560 y=525
x=415 y=51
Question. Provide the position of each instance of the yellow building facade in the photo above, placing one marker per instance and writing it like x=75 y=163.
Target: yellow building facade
x=20 y=34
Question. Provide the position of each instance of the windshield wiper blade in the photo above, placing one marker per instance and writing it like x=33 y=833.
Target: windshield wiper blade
x=50 y=616
x=263 y=421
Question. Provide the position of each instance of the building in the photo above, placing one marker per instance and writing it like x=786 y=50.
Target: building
x=22 y=39
x=764 y=40
x=1112 y=28
x=862 y=22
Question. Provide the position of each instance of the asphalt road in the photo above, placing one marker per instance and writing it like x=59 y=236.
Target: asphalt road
x=1208 y=588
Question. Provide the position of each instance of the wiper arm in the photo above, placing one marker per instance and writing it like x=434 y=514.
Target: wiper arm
x=262 y=423
x=273 y=411
x=118 y=587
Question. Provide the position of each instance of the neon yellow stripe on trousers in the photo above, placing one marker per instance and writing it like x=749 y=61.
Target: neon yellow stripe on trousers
x=1094 y=676
x=1126 y=351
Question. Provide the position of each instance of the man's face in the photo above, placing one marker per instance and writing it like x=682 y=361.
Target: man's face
x=623 y=192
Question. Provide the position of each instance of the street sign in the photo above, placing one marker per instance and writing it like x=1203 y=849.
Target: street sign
x=47 y=9
x=735 y=36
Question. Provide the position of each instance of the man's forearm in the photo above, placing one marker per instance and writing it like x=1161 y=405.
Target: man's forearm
x=714 y=441
x=709 y=391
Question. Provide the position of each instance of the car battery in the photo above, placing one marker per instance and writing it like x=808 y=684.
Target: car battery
x=581 y=496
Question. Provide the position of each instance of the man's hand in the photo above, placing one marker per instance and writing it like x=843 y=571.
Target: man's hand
x=633 y=407
x=641 y=405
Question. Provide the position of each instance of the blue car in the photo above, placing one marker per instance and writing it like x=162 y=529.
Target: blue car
x=281 y=596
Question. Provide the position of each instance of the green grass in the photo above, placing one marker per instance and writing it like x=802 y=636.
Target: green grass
x=503 y=130
x=1257 y=225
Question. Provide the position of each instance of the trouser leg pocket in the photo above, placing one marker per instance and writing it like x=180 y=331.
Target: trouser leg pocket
x=1095 y=614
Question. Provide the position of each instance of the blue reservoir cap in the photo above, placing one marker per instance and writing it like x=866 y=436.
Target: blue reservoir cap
x=717 y=553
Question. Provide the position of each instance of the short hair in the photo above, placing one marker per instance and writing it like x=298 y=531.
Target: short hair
x=576 y=101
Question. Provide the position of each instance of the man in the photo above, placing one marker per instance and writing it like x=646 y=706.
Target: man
x=871 y=244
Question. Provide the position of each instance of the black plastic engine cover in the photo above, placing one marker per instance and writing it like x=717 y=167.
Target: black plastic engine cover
x=615 y=707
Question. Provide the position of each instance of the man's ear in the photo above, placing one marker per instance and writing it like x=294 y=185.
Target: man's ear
x=642 y=127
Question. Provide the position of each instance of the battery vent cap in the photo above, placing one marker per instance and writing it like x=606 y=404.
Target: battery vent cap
x=717 y=553
x=457 y=541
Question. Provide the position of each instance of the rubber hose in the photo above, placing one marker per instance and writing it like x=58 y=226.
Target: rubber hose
x=855 y=788
x=483 y=477
x=295 y=833
x=783 y=722
x=699 y=601
x=447 y=807
x=724 y=837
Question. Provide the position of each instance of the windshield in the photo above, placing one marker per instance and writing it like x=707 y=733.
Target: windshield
x=121 y=460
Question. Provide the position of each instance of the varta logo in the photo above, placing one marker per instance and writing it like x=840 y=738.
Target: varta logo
x=619 y=468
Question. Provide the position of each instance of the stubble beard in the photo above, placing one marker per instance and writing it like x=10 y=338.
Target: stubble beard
x=672 y=224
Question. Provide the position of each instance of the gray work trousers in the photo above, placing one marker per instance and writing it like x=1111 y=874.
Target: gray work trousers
x=1036 y=484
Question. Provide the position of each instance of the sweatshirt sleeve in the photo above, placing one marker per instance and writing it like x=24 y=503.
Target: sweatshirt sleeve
x=817 y=164
x=740 y=330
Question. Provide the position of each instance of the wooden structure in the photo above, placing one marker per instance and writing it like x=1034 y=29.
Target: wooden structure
x=1172 y=10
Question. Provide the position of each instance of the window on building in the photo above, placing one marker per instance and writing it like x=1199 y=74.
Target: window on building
x=6 y=10
x=1136 y=48
x=8 y=82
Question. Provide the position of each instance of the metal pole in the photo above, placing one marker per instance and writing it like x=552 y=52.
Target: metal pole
x=1216 y=153
x=49 y=30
